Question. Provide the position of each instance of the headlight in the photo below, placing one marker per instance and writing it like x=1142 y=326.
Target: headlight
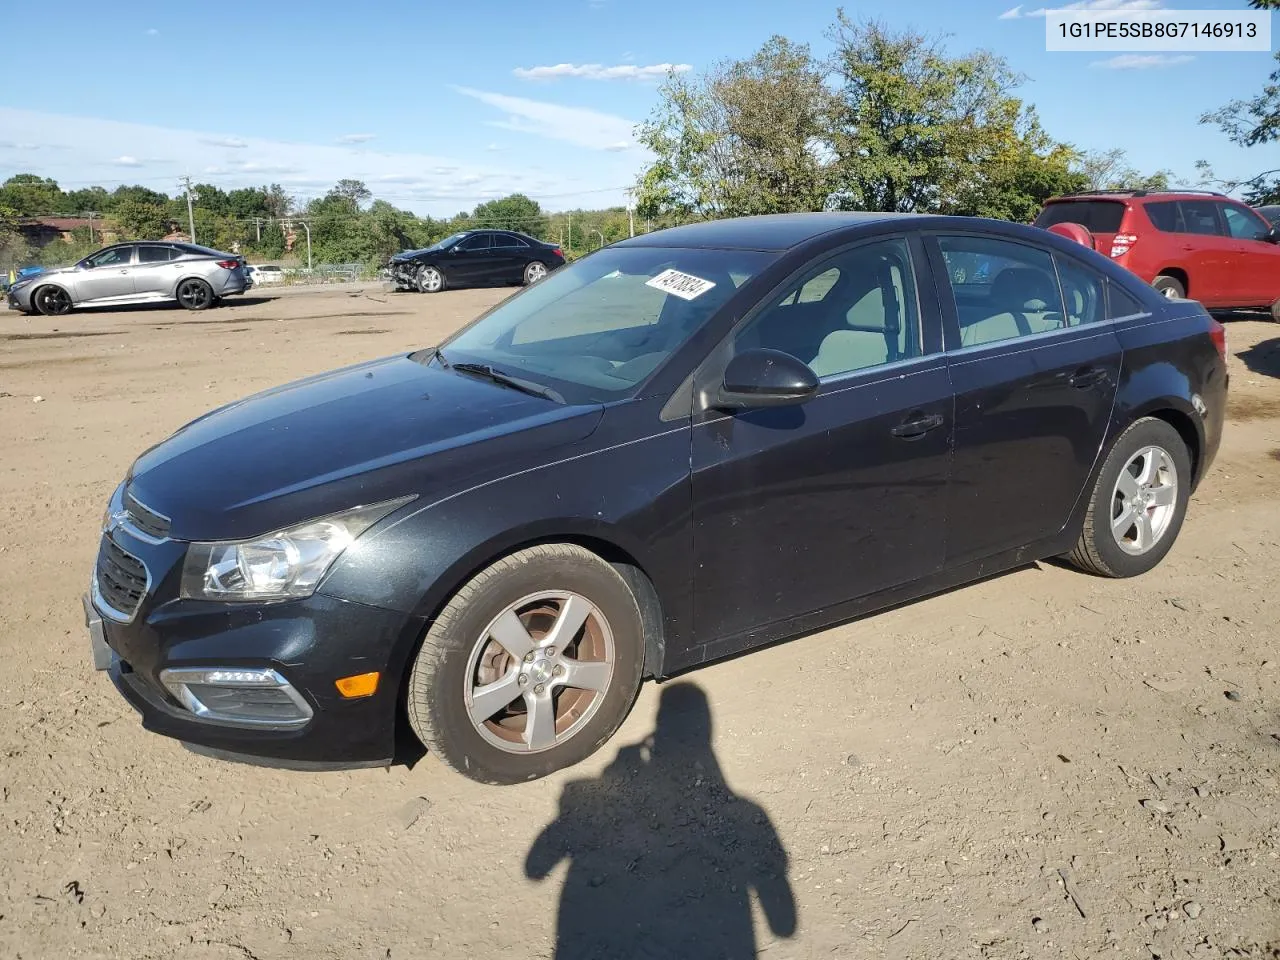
x=282 y=565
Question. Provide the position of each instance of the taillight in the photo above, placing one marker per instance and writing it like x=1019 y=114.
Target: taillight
x=228 y=264
x=557 y=252
x=1218 y=333
x=1121 y=243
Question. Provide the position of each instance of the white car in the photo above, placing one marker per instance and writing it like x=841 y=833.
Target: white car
x=265 y=273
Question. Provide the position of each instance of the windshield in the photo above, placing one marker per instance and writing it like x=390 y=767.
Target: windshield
x=448 y=241
x=597 y=328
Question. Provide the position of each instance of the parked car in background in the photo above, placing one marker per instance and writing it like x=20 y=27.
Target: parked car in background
x=1188 y=243
x=1272 y=213
x=126 y=273
x=475 y=258
x=265 y=273
x=683 y=446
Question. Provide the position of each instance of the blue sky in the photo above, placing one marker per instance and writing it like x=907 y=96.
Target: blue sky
x=440 y=104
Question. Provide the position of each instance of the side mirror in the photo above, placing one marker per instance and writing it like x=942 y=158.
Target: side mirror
x=765 y=378
x=1272 y=235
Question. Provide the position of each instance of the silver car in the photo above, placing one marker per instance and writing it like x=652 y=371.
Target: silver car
x=141 y=272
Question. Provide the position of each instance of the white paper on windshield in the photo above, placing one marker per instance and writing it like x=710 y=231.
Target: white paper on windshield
x=683 y=285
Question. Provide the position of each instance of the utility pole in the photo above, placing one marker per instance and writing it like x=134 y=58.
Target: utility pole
x=257 y=225
x=191 y=214
x=631 y=214
x=90 y=226
x=569 y=248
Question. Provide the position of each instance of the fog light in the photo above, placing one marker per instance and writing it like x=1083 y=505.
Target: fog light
x=360 y=685
x=240 y=696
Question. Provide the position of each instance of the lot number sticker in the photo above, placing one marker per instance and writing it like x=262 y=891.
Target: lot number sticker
x=683 y=285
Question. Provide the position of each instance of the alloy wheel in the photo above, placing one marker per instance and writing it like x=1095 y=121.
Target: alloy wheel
x=53 y=301
x=1144 y=500
x=536 y=271
x=539 y=672
x=194 y=295
x=430 y=280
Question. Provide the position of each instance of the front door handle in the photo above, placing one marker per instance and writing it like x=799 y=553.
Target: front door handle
x=917 y=425
x=1087 y=377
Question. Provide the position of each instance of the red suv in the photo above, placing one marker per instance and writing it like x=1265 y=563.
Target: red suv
x=1187 y=243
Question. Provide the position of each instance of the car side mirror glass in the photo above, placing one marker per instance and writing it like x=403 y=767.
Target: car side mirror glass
x=765 y=378
x=1272 y=235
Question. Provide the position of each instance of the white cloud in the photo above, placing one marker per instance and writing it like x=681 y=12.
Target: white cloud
x=153 y=32
x=493 y=148
x=598 y=71
x=357 y=137
x=11 y=145
x=110 y=152
x=577 y=125
x=1086 y=6
x=234 y=143
x=1142 y=61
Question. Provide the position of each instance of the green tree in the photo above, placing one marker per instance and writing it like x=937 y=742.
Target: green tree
x=354 y=192
x=29 y=195
x=140 y=219
x=751 y=136
x=915 y=126
x=514 y=212
x=1111 y=170
x=1015 y=185
x=89 y=200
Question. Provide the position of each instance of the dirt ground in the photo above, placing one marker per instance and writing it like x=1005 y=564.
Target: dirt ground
x=1045 y=764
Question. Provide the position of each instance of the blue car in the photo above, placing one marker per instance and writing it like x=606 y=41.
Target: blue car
x=14 y=276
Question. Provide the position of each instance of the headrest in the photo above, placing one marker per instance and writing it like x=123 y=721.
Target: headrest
x=1022 y=288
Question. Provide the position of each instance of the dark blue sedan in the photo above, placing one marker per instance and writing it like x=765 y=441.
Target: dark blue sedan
x=684 y=446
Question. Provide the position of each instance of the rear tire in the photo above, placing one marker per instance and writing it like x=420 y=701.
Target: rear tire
x=194 y=294
x=1138 y=502
x=472 y=699
x=1275 y=311
x=1170 y=287
x=533 y=272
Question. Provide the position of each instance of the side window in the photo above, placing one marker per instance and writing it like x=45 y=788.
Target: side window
x=503 y=240
x=115 y=257
x=853 y=311
x=1020 y=296
x=1242 y=224
x=1082 y=292
x=1200 y=216
x=1165 y=216
x=1121 y=303
x=152 y=254
x=517 y=242
x=479 y=242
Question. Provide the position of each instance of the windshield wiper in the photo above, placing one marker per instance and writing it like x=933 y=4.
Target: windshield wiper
x=506 y=380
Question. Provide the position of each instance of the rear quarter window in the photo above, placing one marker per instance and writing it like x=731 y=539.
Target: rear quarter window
x=1096 y=216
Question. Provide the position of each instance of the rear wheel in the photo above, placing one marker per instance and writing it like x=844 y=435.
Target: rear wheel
x=52 y=301
x=530 y=667
x=534 y=272
x=195 y=294
x=1171 y=287
x=430 y=280
x=1275 y=311
x=1138 y=502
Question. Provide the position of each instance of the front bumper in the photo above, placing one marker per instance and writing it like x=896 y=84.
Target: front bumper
x=308 y=643
x=404 y=272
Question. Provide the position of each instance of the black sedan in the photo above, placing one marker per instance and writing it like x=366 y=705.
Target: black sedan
x=684 y=446
x=475 y=258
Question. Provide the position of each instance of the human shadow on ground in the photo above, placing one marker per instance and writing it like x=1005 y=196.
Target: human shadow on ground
x=1263 y=358
x=664 y=859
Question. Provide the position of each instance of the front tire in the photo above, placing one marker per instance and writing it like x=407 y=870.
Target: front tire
x=51 y=301
x=1170 y=287
x=430 y=280
x=1138 y=502
x=530 y=667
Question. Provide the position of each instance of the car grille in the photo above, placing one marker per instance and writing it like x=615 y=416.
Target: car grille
x=145 y=519
x=122 y=578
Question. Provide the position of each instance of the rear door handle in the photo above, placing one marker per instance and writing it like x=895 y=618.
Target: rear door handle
x=1087 y=377
x=917 y=426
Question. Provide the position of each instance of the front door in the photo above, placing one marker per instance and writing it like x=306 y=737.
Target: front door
x=1035 y=373
x=470 y=262
x=1256 y=277
x=799 y=508
x=107 y=275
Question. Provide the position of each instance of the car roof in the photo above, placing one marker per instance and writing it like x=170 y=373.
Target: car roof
x=771 y=232
x=1140 y=195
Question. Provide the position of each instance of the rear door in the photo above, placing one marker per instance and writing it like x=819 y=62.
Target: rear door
x=797 y=509
x=155 y=273
x=1034 y=378
x=1205 y=251
x=1255 y=282
x=507 y=255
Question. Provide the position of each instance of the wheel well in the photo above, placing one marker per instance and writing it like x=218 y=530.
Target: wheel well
x=1178 y=274
x=1187 y=430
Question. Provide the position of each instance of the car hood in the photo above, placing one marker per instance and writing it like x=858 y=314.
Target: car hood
x=363 y=434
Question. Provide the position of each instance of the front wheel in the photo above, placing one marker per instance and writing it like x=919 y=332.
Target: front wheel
x=530 y=667
x=1138 y=502
x=1170 y=287
x=430 y=280
x=195 y=295
x=52 y=301
x=534 y=272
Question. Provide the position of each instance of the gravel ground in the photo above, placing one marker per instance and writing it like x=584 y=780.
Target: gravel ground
x=1044 y=764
